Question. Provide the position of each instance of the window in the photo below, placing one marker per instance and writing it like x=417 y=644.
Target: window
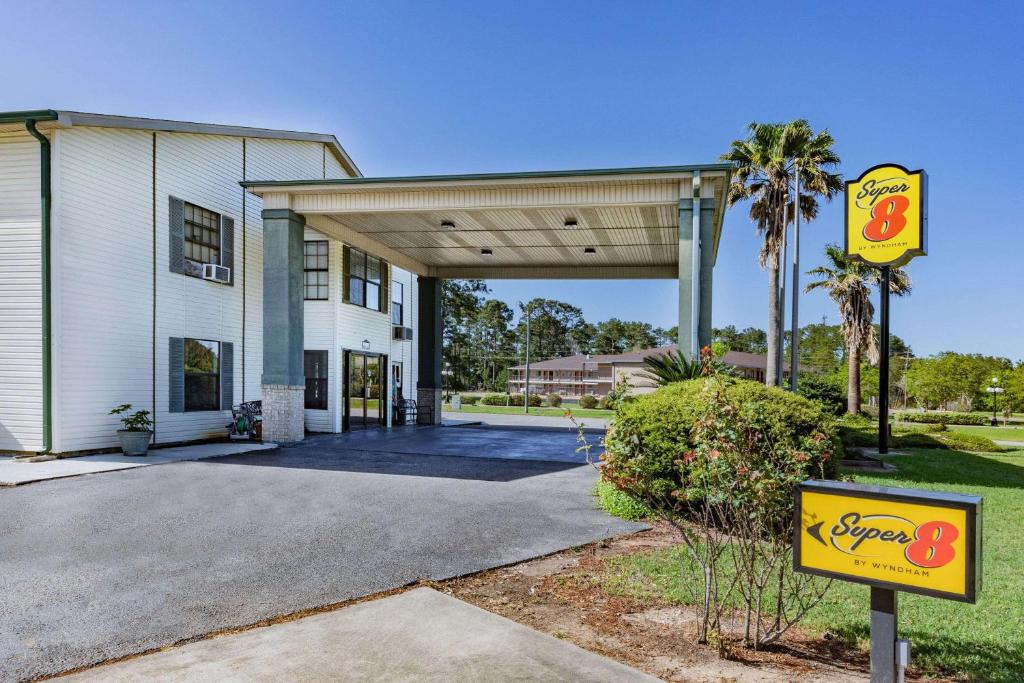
x=397 y=296
x=316 y=379
x=202 y=375
x=315 y=273
x=202 y=235
x=364 y=272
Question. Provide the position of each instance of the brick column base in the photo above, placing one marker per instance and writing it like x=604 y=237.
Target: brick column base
x=283 y=413
x=428 y=396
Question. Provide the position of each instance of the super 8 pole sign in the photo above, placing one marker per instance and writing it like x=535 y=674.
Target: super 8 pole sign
x=887 y=215
x=901 y=539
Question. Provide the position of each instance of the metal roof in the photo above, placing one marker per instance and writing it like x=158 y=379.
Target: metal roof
x=67 y=119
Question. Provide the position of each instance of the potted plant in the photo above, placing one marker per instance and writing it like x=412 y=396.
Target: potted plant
x=136 y=434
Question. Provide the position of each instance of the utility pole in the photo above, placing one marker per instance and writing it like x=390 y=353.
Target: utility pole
x=794 y=342
x=526 y=387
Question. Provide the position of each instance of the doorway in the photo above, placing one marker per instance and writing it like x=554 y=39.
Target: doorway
x=365 y=381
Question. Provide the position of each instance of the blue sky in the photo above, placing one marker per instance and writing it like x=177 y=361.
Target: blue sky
x=418 y=87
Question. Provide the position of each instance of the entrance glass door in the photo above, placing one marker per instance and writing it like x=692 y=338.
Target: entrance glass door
x=364 y=387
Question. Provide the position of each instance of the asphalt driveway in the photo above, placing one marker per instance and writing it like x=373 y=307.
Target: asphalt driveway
x=105 y=565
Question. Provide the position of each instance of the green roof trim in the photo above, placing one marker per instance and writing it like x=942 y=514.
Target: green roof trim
x=727 y=167
x=23 y=116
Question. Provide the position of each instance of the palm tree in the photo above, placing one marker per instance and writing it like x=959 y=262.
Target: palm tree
x=849 y=284
x=669 y=367
x=766 y=167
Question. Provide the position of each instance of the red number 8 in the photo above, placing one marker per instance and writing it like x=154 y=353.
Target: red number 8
x=887 y=219
x=933 y=545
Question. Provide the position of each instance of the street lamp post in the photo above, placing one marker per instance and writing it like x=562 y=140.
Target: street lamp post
x=994 y=389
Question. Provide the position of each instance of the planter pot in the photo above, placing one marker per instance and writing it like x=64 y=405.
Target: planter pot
x=134 y=443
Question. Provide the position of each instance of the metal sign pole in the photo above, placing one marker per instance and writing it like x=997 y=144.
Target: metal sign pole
x=883 y=368
x=794 y=342
x=883 y=635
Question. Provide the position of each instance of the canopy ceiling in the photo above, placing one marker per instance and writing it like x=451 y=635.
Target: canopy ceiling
x=605 y=223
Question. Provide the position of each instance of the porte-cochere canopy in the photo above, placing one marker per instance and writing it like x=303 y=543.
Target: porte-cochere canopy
x=629 y=223
x=606 y=223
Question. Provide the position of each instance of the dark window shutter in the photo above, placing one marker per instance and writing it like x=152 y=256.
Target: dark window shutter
x=346 y=268
x=176 y=383
x=385 y=287
x=227 y=245
x=177 y=232
x=227 y=375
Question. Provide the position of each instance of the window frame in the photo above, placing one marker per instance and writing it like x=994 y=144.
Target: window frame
x=359 y=285
x=193 y=224
x=397 y=303
x=325 y=288
x=216 y=375
x=318 y=383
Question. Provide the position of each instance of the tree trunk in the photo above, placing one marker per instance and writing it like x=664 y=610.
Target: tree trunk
x=853 y=385
x=774 y=315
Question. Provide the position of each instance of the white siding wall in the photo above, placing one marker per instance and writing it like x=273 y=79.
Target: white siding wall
x=105 y=231
x=332 y=167
x=319 y=329
x=402 y=351
x=102 y=260
x=20 y=296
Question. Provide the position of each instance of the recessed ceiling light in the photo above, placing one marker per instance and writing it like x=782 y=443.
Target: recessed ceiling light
x=570 y=224
x=447 y=225
x=590 y=250
x=486 y=252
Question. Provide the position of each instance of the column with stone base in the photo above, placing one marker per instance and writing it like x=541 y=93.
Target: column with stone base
x=428 y=387
x=284 y=382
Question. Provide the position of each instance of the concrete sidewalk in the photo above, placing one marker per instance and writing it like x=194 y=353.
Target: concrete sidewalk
x=15 y=473
x=419 y=635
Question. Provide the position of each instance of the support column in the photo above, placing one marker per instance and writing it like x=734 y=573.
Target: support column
x=707 y=265
x=428 y=386
x=284 y=381
x=687 y=248
x=696 y=263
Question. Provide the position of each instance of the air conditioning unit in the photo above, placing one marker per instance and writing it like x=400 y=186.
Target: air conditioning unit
x=399 y=333
x=211 y=271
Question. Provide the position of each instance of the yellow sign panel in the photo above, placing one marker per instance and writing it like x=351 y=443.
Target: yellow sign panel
x=903 y=539
x=886 y=215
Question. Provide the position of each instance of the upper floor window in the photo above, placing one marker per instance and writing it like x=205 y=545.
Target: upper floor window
x=202 y=235
x=363 y=277
x=315 y=274
x=202 y=374
x=397 y=303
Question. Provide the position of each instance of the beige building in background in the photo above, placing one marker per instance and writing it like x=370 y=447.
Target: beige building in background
x=575 y=376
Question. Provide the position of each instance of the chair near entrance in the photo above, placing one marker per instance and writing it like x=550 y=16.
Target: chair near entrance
x=409 y=412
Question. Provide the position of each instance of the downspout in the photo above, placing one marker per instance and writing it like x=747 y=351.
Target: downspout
x=44 y=244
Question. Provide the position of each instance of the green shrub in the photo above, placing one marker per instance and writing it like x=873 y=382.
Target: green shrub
x=517 y=400
x=495 y=400
x=470 y=399
x=959 y=441
x=588 y=401
x=606 y=403
x=927 y=427
x=825 y=391
x=942 y=418
x=554 y=400
x=619 y=504
x=848 y=420
x=651 y=437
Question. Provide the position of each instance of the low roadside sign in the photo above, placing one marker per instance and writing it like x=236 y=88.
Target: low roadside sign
x=891 y=539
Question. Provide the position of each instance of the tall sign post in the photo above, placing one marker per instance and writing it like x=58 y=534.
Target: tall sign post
x=886 y=225
x=893 y=540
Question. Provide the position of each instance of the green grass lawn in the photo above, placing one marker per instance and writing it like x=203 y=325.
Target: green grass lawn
x=547 y=412
x=982 y=642
x=1008 y=433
